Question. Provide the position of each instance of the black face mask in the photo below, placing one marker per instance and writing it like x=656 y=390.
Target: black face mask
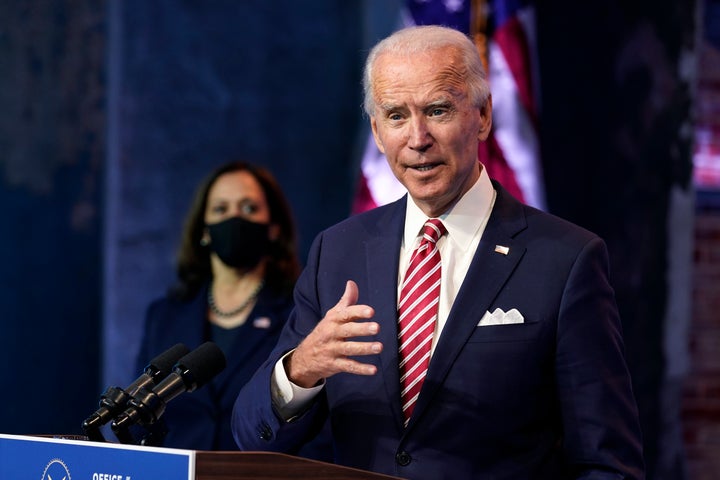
x=238 y=242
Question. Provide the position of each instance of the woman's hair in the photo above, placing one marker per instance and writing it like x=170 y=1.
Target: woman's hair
x=193 y=261
x=425 y=38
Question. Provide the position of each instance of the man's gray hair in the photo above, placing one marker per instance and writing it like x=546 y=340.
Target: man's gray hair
x=418 y=39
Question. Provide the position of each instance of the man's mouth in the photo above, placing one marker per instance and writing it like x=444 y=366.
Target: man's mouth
x=424 y=168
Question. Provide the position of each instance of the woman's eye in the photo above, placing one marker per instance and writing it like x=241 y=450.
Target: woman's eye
x=249 y=209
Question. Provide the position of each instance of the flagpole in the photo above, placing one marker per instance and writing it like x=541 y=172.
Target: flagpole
x=478 y=28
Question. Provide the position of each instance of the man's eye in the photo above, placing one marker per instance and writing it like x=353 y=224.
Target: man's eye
x=437 y=111
x=219 y=209
x=395 y=117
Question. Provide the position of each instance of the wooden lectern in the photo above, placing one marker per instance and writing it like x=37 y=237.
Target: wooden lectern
x=48 y=456
x=272 y=466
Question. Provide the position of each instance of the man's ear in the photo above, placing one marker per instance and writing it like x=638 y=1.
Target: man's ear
x=485 y=120
x=376 y=136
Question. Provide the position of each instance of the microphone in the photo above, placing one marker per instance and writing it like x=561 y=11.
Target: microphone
x=114 y=400
x=189 y=373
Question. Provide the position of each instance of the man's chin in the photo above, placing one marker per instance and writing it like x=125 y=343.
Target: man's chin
x=430 y=200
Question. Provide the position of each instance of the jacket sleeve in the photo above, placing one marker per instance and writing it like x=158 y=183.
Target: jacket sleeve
x=602 y=436
x=255 y=422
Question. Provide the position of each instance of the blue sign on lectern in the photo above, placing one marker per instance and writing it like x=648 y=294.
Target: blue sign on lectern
x=39 y=458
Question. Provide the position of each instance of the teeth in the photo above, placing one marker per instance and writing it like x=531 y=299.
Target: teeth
x=425 y=168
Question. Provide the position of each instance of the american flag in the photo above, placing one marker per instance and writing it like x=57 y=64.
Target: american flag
x=504 y=31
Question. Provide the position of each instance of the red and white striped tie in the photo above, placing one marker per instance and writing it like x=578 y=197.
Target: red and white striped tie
x=417 y=312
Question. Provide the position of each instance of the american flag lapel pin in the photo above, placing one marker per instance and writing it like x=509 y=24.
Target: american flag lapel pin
x=502 y=249
x=262 y=322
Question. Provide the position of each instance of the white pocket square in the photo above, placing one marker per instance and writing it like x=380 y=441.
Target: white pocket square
x=498 y=317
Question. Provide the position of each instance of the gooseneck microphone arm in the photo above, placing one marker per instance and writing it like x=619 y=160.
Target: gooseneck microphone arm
x=148 y=404
x=115 y=399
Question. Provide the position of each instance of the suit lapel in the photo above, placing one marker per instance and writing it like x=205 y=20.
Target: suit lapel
x=249 y=336
x=488 y=272
x=383 y=250
x=249 y=339
x=189 y=326
x=189 y=330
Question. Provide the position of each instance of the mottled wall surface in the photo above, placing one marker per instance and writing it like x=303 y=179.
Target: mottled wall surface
x=193 y=84
x=52 y=139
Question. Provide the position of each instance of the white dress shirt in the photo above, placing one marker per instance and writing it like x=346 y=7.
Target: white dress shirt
x=465 y=223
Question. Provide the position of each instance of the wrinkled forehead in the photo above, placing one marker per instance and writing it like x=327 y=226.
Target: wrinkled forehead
x=438 y=71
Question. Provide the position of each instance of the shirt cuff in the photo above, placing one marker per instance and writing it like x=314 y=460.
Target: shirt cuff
x=289 y=399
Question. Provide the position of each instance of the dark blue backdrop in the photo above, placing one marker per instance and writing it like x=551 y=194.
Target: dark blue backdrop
x=112 y=112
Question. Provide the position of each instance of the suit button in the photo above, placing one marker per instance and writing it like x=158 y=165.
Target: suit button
x=403 y=459
x=266 y=432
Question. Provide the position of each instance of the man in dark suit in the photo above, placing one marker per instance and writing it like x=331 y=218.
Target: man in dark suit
x=526 y=377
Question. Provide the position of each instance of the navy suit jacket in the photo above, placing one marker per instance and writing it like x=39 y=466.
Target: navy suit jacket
x=549 y=398
x=200 y=420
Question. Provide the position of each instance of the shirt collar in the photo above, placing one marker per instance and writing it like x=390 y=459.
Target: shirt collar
x=462 y=220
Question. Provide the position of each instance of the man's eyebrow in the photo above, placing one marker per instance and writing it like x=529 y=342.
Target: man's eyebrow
x=390 y=106
x=442 y=102
x=439 y=102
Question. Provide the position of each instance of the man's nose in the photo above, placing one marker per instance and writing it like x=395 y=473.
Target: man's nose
x=419 y=137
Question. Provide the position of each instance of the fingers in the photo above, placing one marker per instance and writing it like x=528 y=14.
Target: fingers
x=356 y=329
x=357 y=368
x=328 y=349
x=314 y=361
x=347 y=310
x=350 y=296
x=357 y=349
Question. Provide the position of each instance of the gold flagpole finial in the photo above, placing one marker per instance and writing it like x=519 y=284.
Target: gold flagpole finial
x=478 y=28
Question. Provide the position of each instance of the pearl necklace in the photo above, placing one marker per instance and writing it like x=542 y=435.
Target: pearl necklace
x=235 y=311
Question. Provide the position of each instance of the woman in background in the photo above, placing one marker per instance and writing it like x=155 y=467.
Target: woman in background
x=236 y=268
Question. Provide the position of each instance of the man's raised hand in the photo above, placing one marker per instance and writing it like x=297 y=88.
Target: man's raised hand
x=325 y=351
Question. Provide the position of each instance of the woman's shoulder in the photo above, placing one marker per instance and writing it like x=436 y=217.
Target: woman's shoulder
x=174 y=301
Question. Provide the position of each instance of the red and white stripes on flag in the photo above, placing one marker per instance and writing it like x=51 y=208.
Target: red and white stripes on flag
x=512 y=71
x=512 y=152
